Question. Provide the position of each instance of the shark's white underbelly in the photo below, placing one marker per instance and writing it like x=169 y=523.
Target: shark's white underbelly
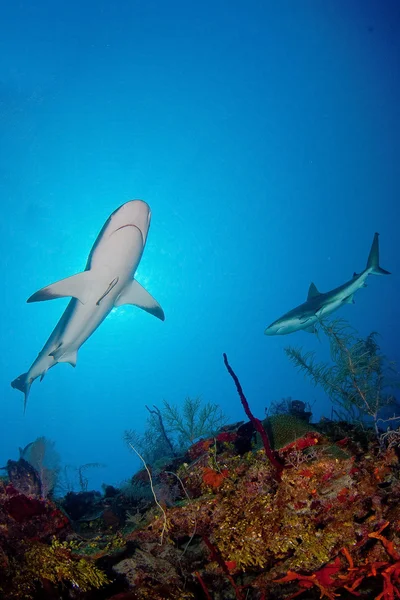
x=75 y=326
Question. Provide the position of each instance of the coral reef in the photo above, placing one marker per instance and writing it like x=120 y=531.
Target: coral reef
x=260 y=510
x=313 y=530
x=327 y=527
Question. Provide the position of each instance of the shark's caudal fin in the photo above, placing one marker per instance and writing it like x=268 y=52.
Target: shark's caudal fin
x=23 y=384
x=373 y=258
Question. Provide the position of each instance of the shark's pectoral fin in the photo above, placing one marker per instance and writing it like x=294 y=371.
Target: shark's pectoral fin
x=78 y=286
x=349 y=299
x=134 y=293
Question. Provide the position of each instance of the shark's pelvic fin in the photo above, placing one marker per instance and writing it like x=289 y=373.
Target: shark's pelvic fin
x=134 y=293
x=349 y=299
x=311 y=329
x=312 y=291
x=57 y=352
x=69 y=357
x=78 y=286
x=373 y=258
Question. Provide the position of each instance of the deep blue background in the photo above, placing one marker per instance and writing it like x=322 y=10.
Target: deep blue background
x=266 y=138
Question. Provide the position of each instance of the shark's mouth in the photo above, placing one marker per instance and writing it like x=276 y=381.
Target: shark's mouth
x=131 y=225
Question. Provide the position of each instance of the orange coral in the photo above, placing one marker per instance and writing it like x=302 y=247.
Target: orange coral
x=214 y=478
x=322 y=579
x=312 y=438
x=354 y=577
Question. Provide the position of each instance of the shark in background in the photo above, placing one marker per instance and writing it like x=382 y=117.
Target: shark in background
x=107 y=281
x=319 y=305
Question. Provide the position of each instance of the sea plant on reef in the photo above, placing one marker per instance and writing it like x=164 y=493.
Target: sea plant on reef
x=357 y=380
x=171 y=430
x=33 y=553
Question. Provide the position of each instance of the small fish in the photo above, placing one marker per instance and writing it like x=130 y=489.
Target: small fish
x=319 y=305
x=107 y=282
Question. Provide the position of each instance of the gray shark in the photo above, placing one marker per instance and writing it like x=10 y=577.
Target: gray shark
x=319 y=305
x=106 y=282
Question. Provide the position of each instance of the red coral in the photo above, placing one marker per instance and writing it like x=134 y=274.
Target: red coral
x=312 y=438
x=214 y=478
x=356 y=574
x=227 y=436
x=306 y=473
x=390 y=572
x=22 y=508
x=231 y=564
x=199 y=448
x=342 y=443
x=321 y=579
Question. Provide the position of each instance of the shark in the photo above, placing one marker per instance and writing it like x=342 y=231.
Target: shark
x=319 y=304
x=107 y=282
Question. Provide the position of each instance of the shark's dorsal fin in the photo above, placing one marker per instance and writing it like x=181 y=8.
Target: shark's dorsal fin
x=77 y=286
x=312 y=291
x=134 y=293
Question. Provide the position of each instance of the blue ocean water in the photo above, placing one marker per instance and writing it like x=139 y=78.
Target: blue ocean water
x=265 y=137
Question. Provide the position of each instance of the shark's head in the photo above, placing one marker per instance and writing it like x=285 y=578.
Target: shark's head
x=279 y=327
x=290 y=323
x=133 y=213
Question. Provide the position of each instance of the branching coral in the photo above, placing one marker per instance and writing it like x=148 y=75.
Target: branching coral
x=256 y=422
x=171 y=430
x=336 y=576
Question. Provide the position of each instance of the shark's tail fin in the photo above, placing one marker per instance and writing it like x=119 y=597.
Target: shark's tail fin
x=373 y=258
x=23 y=384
